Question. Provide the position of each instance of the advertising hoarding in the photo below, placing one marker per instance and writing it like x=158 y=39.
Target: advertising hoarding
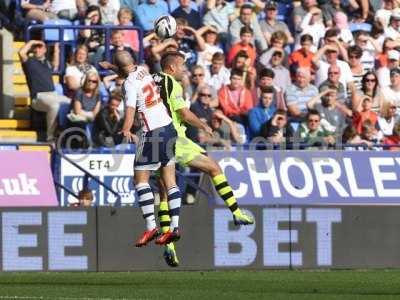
x=26 y=179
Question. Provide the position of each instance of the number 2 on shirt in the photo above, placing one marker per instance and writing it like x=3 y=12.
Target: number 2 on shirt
x=151 y=94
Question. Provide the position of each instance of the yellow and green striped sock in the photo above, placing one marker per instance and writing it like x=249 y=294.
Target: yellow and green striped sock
x=163 y=215
x=225 y=191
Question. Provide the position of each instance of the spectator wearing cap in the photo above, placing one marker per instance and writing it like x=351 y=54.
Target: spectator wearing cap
x=38 y=71
x=282 y=76
x=184 y=11
x=210 y=36
x=382 y=58
x=270 y=24
x=261 y=113
x=369 y=48
x=383 y=73
x=246 y=37
x=313 y=25
x=301 y=58
x=217 y=75
x=392 y=92
x=245 y=18
x=234 y=99
x=299 y=93
x=333 y=81
x=393 y=30
x=330 y=52
x=149 y=11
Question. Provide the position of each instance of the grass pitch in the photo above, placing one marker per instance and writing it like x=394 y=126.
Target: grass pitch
x=371 y=284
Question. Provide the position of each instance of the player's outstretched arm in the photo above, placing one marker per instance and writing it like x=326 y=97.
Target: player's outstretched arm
x=193 y=120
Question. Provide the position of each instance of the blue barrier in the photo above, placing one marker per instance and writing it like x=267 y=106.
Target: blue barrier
x=66 y=29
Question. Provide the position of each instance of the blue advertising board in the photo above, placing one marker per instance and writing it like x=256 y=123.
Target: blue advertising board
x=312 y=177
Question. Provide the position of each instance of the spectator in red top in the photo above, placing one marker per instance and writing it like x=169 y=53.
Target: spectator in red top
x=234 y=99
x=362 y=113
x=246 y=36
x=394 y=139
x=302 y=58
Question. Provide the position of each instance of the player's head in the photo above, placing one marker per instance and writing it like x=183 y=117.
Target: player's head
x=173 y=63
x=125 y=62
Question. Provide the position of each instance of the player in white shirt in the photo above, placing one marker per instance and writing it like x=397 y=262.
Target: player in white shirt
x=156 y=146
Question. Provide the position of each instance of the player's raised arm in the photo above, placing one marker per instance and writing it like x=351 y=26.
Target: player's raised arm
x=191 y=119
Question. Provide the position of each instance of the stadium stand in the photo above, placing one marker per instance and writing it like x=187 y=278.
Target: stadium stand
x=299 y=37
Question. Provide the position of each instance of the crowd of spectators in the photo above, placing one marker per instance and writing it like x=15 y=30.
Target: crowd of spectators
x=316 y=72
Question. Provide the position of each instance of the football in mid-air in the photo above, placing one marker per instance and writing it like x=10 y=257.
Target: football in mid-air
x=165 y=27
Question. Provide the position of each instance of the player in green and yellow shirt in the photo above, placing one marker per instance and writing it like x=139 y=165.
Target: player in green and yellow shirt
x=187 y=152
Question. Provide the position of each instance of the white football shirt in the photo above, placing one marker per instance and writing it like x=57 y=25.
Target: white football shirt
x=141 y=92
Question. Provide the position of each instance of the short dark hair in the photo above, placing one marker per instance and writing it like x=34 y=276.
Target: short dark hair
x=116 y=94
x=246 y=6
x=281 y=112
x=241 y=53
x=236 y=72
x=218 y=56
x=333 y=32
x=169 y=58
x=266 y=72
x=355 y=50
x=267 y=90
x=306 y=38
x=313 y=112
x=246 y=29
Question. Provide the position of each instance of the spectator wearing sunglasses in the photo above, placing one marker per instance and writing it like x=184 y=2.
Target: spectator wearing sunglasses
x=312 y=133
x=202 y=109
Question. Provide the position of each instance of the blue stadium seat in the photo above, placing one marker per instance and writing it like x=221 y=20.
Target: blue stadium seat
x=54 y=35
x=360 y=26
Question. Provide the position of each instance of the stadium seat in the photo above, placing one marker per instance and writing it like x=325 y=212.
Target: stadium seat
x=53 y=35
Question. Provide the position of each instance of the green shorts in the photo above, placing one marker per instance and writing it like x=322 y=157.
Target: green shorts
x=186 y=150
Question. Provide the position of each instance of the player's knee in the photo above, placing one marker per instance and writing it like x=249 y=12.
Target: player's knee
x=215 y=169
